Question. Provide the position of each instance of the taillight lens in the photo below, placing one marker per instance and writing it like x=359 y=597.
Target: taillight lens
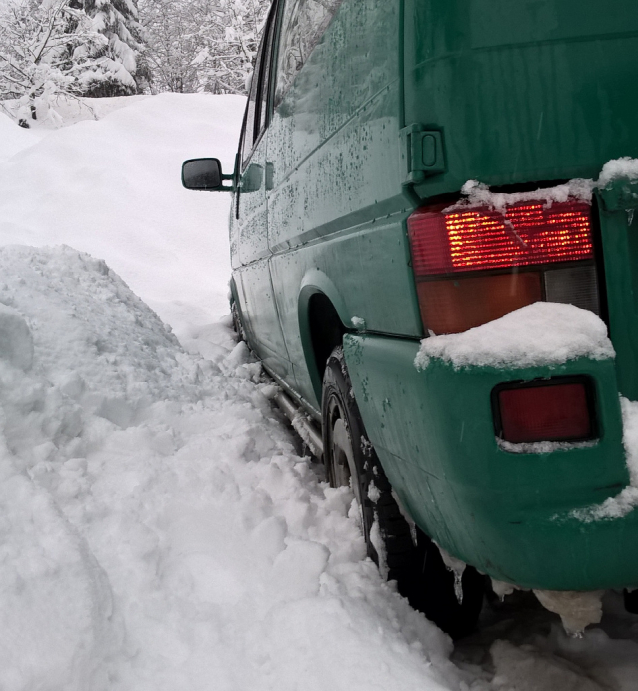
x=518 y=253
x=555 y=410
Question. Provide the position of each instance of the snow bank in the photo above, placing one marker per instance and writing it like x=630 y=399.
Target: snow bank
x=70 y=110
x=530 y=669
x=157 y=529
x=14 y=139
x=539 y=335
x=112 y=188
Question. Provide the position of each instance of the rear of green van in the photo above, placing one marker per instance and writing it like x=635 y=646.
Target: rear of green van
x=518 y=96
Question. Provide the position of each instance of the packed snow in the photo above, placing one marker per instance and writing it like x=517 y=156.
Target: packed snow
x=627 y=500
x=539 y=335
x=476 y=193
x=159 y=529
x=111 y=187
x=621 y=168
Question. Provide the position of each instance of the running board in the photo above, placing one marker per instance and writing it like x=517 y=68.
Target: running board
x=301 y=423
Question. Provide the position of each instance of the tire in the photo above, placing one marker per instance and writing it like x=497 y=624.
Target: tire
x=418 y=569
x=237 y=325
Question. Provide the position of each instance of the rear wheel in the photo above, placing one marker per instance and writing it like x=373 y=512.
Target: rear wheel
x=237 y=326
x=402 y=554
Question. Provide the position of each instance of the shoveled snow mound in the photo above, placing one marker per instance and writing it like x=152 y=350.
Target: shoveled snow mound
x=112 y=188
x=539 y=335
x=157 y=529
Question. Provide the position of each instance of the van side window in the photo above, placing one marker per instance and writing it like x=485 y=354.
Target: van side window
x=262 y=105
x=248 y=136
x=303 y=24
x=256 y=110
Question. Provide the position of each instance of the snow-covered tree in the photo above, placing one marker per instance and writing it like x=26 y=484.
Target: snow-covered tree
x=202 y=45
x=119 y=71
x=46 y=48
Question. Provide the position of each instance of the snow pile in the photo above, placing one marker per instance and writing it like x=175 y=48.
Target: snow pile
x=71 y=110
x=157 y=528
x=624 y=168
x=539 y=335
x=528 y=669
x=13 y=138
x=112 y=188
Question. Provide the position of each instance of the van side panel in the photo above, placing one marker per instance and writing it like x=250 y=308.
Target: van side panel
x=532 y=90
x=337 y=205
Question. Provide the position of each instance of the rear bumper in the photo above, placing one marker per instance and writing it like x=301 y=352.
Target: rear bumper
x=507 y=514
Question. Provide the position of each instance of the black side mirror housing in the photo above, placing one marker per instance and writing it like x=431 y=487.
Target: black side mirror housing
x=205 y=174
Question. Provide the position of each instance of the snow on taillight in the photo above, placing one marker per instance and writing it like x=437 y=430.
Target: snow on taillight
x=473 y=265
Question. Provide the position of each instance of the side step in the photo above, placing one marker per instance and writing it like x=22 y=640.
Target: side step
x=301 y=423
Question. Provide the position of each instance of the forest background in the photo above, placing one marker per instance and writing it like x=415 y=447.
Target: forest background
x=102 y=48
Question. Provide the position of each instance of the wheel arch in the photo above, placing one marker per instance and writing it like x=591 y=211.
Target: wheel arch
x=322 y=323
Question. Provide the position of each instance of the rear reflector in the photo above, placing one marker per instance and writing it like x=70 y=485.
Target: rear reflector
x=477 y=239
x=557 y=410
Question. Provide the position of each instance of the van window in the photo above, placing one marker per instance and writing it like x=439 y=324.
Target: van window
x=256 y=110
x=260 y=119
x=303 y=25
x=248 y=136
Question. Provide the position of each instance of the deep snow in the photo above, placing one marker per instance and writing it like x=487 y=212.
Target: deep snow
x=158 y=528
x=111 y=188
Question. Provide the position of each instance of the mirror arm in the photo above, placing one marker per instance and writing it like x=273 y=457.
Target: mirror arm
x=227 y=188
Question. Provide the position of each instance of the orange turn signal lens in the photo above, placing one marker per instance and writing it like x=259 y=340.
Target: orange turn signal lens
x=450 y=306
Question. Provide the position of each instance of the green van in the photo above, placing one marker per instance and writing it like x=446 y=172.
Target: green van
x=355 y=236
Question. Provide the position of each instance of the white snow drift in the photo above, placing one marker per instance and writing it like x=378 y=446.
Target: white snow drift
x=157 y=528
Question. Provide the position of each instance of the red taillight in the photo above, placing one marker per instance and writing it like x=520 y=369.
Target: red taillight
x=478 y=239
x=529 y=239
x=552 y=411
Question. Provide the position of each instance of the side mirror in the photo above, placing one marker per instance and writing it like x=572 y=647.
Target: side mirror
x=205 y=174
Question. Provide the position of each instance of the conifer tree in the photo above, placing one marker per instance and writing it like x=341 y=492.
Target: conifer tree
x=120 y=68
x=46 y=48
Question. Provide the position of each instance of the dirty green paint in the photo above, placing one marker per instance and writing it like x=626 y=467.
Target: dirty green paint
x=434 y=433
x=532 y=90
x=528 y=92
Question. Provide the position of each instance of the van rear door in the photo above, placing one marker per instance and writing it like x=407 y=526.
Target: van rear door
x=532 y=90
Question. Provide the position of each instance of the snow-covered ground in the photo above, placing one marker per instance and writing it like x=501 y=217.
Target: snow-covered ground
x=158 y=529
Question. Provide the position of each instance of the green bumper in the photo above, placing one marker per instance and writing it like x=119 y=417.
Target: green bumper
x=507 y=514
